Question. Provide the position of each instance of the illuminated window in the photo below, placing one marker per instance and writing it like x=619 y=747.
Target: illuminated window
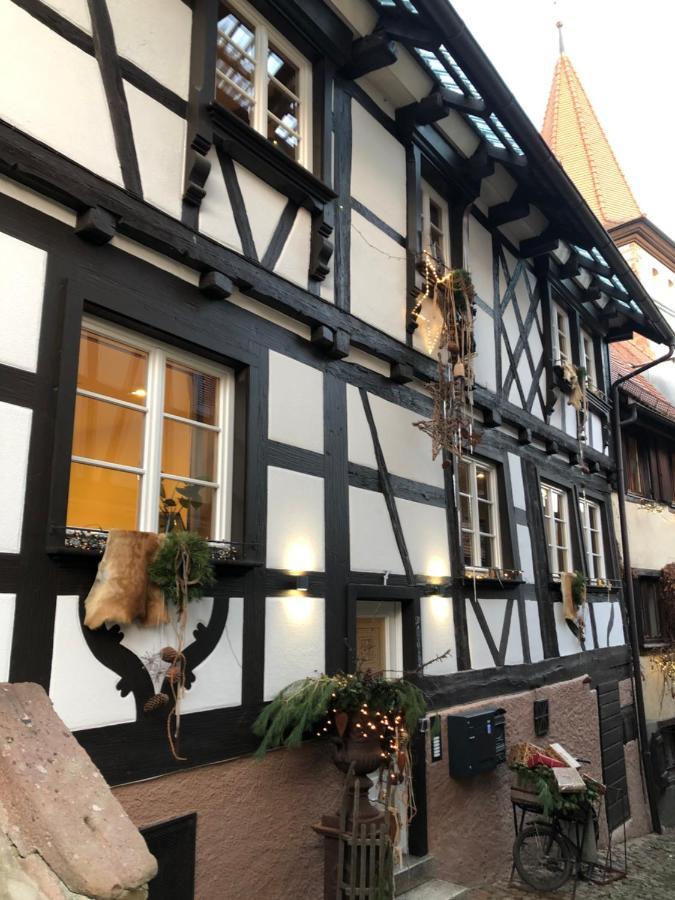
x=478 y=514
x=151 y=438
x=561 y=336
x=263 y=80
x=556 y=528
x=435 y=225
x=591 y=528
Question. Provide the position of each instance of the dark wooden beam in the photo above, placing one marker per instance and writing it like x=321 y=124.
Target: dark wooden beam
x=552 y=447
x=524 y=435
x=96 y=226
x=592 y=265
x=592 y=292
x=544 y=243
x=480 y=164
x=215 y=285
x=408 y=28
x=333 y=341
x=370 y=53
x=510 y=211
x=571 y=267
x=430 y=109
x=492 y=418
x=401 y=373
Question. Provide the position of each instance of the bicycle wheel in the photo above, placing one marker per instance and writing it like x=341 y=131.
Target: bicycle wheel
x=542 y=857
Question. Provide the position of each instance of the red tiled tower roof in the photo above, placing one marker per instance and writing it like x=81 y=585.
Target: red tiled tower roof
x=572 y=130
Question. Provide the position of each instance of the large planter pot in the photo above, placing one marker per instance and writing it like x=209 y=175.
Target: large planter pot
x=361 y=747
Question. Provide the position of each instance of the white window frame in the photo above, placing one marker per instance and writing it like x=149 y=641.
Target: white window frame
x=554 y=549
x=587 y=356
x=558 y=356
x=490 y=471
x=158 y=354
x=429 y=195
x=264 y=35
x=595 y=563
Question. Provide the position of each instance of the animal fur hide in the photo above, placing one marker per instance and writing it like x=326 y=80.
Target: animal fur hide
x=122 y=591
x=571 y=379
x=573 y=613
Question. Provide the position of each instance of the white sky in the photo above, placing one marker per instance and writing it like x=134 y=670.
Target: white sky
x=623 y=52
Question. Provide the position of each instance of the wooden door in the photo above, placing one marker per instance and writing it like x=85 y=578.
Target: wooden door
x=371 y=647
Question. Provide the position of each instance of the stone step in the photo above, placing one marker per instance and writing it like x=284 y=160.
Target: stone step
x=435 y=889
x=413 y=871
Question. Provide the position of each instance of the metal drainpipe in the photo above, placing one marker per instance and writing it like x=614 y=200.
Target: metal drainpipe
x=630 y=594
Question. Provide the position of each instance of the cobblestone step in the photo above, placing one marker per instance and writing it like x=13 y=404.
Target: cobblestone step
x=435 y=889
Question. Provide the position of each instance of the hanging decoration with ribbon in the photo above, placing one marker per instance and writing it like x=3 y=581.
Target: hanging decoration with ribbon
x=445 y=312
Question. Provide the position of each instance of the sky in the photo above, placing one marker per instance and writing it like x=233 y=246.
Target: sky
x=624 y=54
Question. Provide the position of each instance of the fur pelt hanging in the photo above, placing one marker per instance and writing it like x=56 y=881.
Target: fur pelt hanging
x=570 y=375
x=573 y=611
x=122 y=592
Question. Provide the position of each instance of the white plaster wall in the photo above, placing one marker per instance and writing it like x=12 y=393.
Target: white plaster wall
x=76 y=11
x=426 y=537
x=479 y=256
x=378 y=169
x=264 y=207
x=218 y=678
x=459 y=132
x=651 y=532
x=438 y=635
x=15 y=426
x=525 y=553
x=294 y=640
x=567 y=642
x=37 y=201
x=481 y=658
x=159 y=137
x=22 y=283
x=534 y=630
x=407 y=450
x=39 y=99
x=156 y=35
x=517 y=484
x=7 y=604
x=216 y=219
x=295 y=521
x=494 y=611
x=378 y=281
x=293 y=262
x=608 y=624
x=360 y=16
x=360 y=443
x=372 y=545
x=81 y=688
x=295 y=403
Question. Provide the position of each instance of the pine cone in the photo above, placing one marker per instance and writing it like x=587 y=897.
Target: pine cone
x=157 y=701
x=168 y=654
x=174 y=674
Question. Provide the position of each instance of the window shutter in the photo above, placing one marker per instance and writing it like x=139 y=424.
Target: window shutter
x=665 y=476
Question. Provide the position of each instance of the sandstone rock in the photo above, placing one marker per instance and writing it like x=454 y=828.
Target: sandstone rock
x=63 y=835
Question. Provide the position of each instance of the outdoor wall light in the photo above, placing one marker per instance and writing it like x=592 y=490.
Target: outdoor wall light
x=300 y=581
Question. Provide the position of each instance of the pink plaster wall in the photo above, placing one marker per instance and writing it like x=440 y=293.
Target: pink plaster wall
x=254 y=836
x=470 y=820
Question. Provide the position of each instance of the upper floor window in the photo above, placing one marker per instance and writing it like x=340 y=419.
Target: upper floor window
x=435 y=225
x=151 y=441
x=591 y=529
x=588 y=359
x=556 y=528
x=479 y=515
x=649 y=604
x=561 y=336
x=263 y=80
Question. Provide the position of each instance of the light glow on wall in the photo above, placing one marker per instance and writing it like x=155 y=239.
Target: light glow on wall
x=298 y=608
x=299 y=558
x=440 y=608
x=437 y=568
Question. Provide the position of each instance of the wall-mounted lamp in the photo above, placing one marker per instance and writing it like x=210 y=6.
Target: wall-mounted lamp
x=300 y=581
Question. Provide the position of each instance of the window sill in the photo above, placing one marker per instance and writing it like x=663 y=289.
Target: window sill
x=493 y=578
x=262 y=158
x=84 y=542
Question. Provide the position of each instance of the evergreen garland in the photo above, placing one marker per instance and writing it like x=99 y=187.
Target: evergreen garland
x=303 y=704
x=182 y=567
x=579 y=588
x=542 y=780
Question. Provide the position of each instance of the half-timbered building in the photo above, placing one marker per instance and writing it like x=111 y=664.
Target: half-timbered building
x=211 y=219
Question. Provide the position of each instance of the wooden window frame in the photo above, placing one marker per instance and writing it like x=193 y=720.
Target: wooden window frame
x=558 y=357
x=496 y=535
x=265 y=33
x=158 y=354
x=585 y=507
x=547 y=489
x=644 y=586
x=587 y=359
x=429 y=196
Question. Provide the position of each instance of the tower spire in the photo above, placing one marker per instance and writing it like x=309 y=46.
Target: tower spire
x=561 y=42
x=573 y=132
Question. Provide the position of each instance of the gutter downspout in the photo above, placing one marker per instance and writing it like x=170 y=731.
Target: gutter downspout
x=630 y=594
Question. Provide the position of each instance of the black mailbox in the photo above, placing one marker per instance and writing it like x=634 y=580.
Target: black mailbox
x=476 y=742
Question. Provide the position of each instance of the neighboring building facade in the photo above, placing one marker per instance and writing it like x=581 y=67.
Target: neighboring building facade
x=573 y=132
x=209 y=272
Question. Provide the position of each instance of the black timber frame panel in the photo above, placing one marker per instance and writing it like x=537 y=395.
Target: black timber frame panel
x=173 y=845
